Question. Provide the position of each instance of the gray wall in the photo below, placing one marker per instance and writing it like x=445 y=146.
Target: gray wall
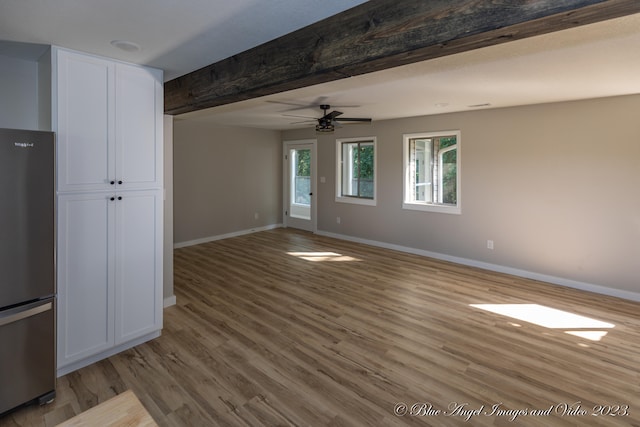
x=223 y=176
x=168 y=210
x=555 y=186
x=19 y=89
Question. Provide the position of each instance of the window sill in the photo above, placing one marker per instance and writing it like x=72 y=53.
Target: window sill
x=455 y=210
x=356 y=201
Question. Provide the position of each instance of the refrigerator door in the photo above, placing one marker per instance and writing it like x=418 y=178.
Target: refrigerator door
x=26 y=216
x=27 y=334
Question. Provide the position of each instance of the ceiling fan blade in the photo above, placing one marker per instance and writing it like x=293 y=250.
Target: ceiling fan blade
x=294 y=104
x=297 y=106
x=304 y=121
x=354 y=119
x=304 y=117
x=332 y=115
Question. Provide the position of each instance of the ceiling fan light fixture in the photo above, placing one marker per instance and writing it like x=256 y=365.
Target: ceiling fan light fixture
x=325 y=128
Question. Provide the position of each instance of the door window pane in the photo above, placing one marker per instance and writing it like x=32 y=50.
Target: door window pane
x=302 y=176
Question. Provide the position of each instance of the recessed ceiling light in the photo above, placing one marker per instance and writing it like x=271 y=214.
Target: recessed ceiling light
x=125 y=45
x=441 y=104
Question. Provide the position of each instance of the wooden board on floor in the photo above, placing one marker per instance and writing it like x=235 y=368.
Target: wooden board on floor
x=123 y=410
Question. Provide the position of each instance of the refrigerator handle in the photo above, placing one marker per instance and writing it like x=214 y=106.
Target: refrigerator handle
x=20 y=313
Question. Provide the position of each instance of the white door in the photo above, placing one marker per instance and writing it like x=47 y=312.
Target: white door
x=300 y=184
x=138 y=295
x=86 y=233
x=84 y=125
x=138 y=127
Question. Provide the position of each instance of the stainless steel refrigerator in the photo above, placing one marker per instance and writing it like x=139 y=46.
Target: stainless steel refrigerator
x=27 y=268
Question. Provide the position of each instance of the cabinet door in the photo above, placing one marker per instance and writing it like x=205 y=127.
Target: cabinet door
x=86 y=282
x=84 y=121
x=138 y=264
x=139 y=106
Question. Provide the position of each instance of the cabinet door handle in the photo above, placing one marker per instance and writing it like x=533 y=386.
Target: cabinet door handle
x=119 y=182
x=119 y=197
x=112 y=199
x=112 y=182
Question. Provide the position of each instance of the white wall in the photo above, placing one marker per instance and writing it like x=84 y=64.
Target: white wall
x=19 y=89
x=555 y=187
x=223 y=176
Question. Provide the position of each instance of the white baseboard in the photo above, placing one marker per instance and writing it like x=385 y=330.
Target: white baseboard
x=225 y=236
x=169 y=301
x=64 y=370
x=598 y=289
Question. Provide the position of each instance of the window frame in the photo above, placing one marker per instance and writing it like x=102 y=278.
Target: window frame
x=407 y=197
x=339 y=162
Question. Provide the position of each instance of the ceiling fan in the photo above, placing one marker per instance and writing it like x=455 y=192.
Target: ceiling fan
x=330 y=120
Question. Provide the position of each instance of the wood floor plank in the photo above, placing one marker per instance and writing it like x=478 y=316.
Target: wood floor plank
x=288 y=328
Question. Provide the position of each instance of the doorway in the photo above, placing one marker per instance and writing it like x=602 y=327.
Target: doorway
x=300 y=184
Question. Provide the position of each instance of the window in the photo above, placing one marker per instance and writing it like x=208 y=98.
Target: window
x=432 y=172
x=301 y=191
x=356 y=170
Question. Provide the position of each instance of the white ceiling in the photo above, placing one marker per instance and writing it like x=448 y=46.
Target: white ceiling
x=592 y=61
x=178 y=36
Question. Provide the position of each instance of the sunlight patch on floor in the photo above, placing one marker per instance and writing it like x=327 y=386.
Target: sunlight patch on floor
x=574 y=324
x=322 y=256
x=590 y=335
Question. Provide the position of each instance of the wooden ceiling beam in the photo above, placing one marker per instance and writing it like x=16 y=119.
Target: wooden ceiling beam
x=378 y=35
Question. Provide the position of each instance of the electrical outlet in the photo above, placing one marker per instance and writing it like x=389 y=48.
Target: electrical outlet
x=338 y=220
x=490 y=244
x=256 y=216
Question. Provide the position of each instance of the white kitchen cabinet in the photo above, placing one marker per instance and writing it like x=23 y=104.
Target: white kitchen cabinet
x=83 y=119
x=109 y=272
x=108 y=120
x=138 y=264
x=85 y=276
x=107 y=116
x=139 y=107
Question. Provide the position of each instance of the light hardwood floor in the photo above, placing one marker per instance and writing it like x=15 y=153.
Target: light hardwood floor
x=287 y=328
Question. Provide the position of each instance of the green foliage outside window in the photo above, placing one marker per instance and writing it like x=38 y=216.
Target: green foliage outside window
x=303 y=165
x=450 y=177
x=362 y=167
x=363 y=162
